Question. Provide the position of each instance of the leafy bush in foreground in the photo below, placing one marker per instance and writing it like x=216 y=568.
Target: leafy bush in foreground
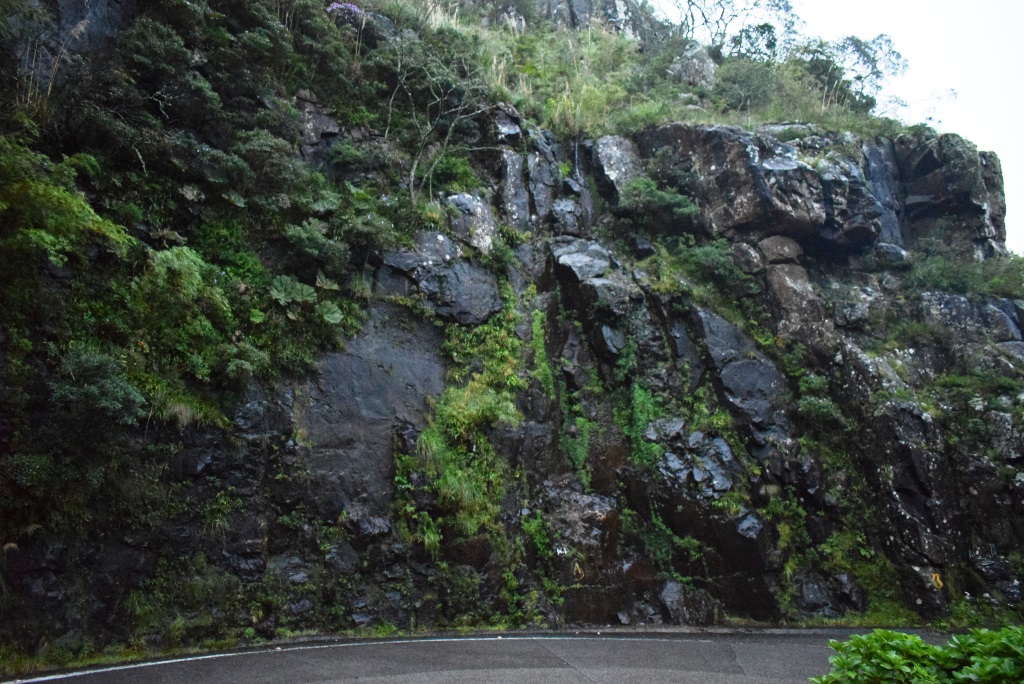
x=980 y=655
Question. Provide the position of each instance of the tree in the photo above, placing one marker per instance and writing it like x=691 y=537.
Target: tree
x=442 y=91
x=851 y=71
x=713 y=21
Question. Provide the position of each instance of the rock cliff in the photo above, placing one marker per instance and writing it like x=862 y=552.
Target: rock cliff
x=699 y=374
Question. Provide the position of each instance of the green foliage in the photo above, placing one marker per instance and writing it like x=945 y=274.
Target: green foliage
x=453 y=173
x=747 y=84
x=790 y=520
x=633 y=418
x=656 y=208
x=849 y=550
x=575 y=444
x=540 y=533
x=542 y=366
x=706 y=272
x=947 y=268
x=667 y=551
x=91 y=390
x=454 y=452
x=884 y=656
x=817 y=408
x=41 y=213
x=287 y=290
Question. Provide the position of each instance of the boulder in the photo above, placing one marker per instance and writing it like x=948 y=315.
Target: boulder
x=568 y=216
x=618 y=162
x=750 y=383
x=780 y=250
x=580 y=260
x=507 y=124
x=473 y=222
x=791 y=289
x=683 y=605
x=694 y=67
x=456 y=289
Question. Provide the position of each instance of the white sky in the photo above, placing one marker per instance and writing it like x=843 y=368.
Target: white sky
x=975 y=48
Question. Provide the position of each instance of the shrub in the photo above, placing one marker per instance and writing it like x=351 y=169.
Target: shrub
x=884 y=656
x=746 y=84
x=946 y=268
x=661 y=209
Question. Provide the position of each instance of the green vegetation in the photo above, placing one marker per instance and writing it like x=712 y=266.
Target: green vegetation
x=542 y=366
x=884 y=656
x=705 y=272
x=943 y=267
x=633 y=418
x=454 y=452
x=668 y=551
x=177 y=236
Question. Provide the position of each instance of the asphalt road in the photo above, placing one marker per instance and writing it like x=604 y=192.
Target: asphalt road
x=707 y=658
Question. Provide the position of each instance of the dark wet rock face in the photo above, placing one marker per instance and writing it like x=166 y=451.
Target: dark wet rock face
x=750 y=382
x=348 y=418
x=456 y=289
x=94 y=22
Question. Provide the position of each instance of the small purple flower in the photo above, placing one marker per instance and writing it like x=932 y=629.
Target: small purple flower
x=345 y=11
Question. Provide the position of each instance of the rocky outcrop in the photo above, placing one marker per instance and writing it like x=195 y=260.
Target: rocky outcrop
x=758 y=414
x=751 y=184
x=951 y=188
x=618 y=162
x=456 y=289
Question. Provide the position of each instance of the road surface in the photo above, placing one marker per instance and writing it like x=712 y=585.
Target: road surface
x=774 y=657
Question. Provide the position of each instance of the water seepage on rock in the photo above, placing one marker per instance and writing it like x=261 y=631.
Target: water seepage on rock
x=94 y=22
x=882 y=175
x=545 y=178
x=349 y=415
x=514 y=203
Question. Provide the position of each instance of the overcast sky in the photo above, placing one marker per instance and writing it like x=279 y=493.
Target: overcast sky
x=974 y=48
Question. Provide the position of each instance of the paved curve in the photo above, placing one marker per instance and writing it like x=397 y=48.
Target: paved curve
x=681 y=658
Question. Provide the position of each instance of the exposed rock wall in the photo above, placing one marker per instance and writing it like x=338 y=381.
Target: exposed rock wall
x=759 y=445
